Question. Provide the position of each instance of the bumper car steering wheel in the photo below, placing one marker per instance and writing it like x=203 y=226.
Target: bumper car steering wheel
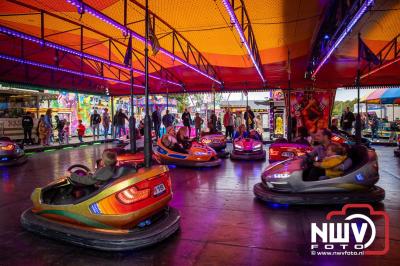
x=78 y=169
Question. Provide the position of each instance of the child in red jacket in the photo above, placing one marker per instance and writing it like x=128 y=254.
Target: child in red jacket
x=81 y=130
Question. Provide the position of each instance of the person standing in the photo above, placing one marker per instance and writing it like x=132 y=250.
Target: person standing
x=120 y=118
x=198 y=122
x=81 y=131
x=212 y=122
x=49 y=126
x=238 y=121
x=106 y=122
x=348 y=119
x=249 y=118
x=43 y=132
x=186 y=120
x=59 y=127
x=219 y=124
x=95 y=120
x=374 y=123
x=66 y=131
x=27 y=125
x=167 y=119
x=40 y=140
x=156 y=117
x=228 y=123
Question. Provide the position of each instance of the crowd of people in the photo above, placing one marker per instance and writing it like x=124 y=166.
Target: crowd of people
x=51 y=129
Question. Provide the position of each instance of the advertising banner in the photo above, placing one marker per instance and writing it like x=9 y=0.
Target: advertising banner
x=311 y=109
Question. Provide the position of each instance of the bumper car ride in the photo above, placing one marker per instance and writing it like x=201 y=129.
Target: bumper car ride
x=128 y=212
x=284 y=182
x=198 y=155
x=342 y=137
x=283 y=151
x=11 y=153
x=248 y=149
x=126 y=157
x=217 y=142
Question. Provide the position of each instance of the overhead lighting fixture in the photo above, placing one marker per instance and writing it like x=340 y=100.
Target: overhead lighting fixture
x=77 y=53
x=126 y=31
x=65 y=70
x=236 y=23
x=347 y=30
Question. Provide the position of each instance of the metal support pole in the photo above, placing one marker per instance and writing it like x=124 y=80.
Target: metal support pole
x=289 y=115
x=366 y=112
x=147 y=121
x=358 y=117
x=214 y=101
x=393 y=112
x=112 y=117
x=132 y=120
x=167 y=100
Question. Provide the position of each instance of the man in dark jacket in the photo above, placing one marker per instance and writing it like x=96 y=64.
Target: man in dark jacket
x=374 y=123
x=186 y=119
x=249 y=118
x=168 y=119
x=348 y=119
x=59 y=127
x=212 y=124
x=95 y=120
x=156 y=117
x=119 y=123
x=27 y=125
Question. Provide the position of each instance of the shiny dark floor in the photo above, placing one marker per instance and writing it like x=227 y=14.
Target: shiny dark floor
x=222 y=223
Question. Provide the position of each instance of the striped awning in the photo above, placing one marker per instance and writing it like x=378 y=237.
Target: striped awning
x=383 y=96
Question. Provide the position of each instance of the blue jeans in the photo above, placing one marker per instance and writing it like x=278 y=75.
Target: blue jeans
x=374 y=133
x=118 y=131
x=106 y=132
x=80 y=138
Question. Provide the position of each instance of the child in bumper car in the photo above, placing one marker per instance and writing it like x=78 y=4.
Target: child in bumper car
x=253 y=134
x=335 y=156
x=169 y=141
x=102 y=174
x=183 y=139
x=241 y=132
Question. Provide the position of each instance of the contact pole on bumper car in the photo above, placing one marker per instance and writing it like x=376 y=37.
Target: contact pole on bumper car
x=132 y=120
x=358 y=117
x=147 y=125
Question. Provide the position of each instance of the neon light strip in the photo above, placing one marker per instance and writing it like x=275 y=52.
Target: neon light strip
x=60 y=69
x=82 y=7
x=380 y=68
x=233 y=17
x=348 y=29
x=76 y=52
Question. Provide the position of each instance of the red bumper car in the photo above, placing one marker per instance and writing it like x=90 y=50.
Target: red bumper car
x=248 y=149
x=217 y=141
x=283 y=151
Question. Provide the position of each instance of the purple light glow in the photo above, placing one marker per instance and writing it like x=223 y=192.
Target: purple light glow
x=127 y=31
x=235 y=21
x=78 y=53
x=65 y=70
x=348 y=29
